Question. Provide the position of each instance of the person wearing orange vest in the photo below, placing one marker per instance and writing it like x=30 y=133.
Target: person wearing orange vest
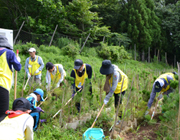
x=81 y=72
x=33 y=66
x=8 y=61
x=55 y=75
x=18 y=125
x=113 y=84
x=161 y=84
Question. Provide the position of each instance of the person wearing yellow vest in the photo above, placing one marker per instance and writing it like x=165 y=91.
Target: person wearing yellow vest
x=55 y=75
x=18 y=125
x=8 y=61
x=33 y=66
x=114 y=80
x=81 y=72
x=161 y=84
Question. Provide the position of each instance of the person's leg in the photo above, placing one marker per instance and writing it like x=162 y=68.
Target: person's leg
x=30 y=81
x=36 y=116
x=116 y=100
x=4 y=102
x=38 y=81
x=77 y=104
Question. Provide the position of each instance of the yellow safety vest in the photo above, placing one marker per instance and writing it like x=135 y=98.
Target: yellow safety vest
x=125 y=84
x=33 y=66
x=164 y=76
x=79 y=81
x=55 y=78
x=5 y=73
x=13 y=127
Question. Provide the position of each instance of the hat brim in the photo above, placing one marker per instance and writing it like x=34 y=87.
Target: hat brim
x=42 y=99
x=158 y=89
x=77 y=67
x=6 y=45
x=106 y=71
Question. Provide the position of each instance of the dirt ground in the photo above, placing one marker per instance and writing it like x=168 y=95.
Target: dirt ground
x=145 y=132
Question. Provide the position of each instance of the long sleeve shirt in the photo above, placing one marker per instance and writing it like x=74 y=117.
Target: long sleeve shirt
x=40 y=62
x=116 y=78
x=153 y=93
x=11 y=59
x=88 y=71
x=61 y=70
x=32 y=98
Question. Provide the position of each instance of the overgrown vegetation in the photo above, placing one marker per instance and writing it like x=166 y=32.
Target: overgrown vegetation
x=136 y=97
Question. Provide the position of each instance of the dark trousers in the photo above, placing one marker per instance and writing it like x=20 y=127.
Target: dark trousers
x=4 y=102
x=116 y=100
x=36 y=116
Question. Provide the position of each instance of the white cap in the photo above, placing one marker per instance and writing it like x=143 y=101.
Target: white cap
x=32 y=50
x=161 y=82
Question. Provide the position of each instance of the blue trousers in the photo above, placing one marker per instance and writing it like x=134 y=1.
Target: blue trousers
x=36 y=116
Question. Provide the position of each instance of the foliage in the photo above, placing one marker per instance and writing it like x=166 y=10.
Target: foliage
x=71 y=50
x=146 y=30
x=115 y=53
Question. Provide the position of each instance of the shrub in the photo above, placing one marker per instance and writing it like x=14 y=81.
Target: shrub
x=115 y=53
x=71 y=50
x=63 y=41
x=23 y=48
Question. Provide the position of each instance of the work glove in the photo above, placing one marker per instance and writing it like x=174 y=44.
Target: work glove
x=37 y=71
x=57 y=85
x=29 y=75
x=40 y=109
x=106 y=101
x=18 y=59
x=147 y=112
x=47 y=87
x=72 y=96
x=160 y=96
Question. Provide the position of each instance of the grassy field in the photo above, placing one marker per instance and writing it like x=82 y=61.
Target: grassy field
x=141 y=77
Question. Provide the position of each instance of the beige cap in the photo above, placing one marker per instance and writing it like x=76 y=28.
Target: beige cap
x=32 y=50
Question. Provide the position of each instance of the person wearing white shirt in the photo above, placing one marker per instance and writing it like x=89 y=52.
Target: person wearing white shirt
x=55 y=75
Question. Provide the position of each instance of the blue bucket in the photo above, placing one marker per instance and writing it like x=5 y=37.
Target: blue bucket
x=93 y=134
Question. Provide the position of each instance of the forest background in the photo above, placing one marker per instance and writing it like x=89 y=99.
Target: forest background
x=146 y=24
x=113 y=28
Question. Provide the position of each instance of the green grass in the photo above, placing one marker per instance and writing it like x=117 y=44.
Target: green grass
x=142 y=72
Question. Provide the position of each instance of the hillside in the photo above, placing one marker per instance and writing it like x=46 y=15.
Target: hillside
x=141 y=77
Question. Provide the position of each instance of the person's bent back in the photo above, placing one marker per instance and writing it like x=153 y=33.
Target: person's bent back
x=18 y=125
x=8 y=61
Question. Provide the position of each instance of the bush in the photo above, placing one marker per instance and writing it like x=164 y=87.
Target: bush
x=62 y=42
x=114 y=53
x=71 y=50
x=23 y=48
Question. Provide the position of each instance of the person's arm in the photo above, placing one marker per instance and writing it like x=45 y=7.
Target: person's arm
x=28 y=132
x=26 y=65
x=89 y=71
x=41 y=63
x=152 y=96
x=12 y=60
x=116 y=77
x=61 y=70
x=48 y=80
x=73 y=84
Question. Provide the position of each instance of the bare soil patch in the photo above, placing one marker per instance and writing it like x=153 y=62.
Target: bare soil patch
x=145 y=132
